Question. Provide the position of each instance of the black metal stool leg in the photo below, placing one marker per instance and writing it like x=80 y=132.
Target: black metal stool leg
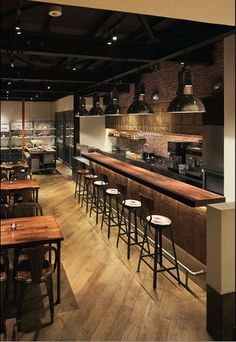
x=160 y=248
x=174 y=252
x=120 y=223
x=136 y=226
x=128 y=233
x=155 y=261
x=79 y=191
x=76 y=185
x=109 y=217
x=145 y=237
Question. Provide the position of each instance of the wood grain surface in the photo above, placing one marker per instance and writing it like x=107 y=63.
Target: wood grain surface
x=8 y=166
x=29 y=230
x=185 y=193
x=19 y=184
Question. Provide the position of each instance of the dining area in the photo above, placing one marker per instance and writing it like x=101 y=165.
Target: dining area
x=30 y=246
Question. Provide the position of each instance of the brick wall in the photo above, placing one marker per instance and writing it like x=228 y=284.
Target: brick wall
x=166 y=82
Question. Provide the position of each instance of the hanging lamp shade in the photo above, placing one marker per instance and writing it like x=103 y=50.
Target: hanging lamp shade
x=82 y=111
x=96 y=110
x=185 y=101
x=113 y=108
x=139 y=106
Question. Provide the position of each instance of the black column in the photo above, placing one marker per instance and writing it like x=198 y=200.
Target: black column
x=76 y=121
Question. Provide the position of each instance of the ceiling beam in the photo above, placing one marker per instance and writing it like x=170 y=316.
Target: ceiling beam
x=178 y=47
x=147 y=29
x=31 y=74
x=75 y=46
x=23 y=8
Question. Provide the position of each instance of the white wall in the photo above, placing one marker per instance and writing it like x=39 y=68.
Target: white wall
x=12 y=111
x=229 y=118
x=64 y=104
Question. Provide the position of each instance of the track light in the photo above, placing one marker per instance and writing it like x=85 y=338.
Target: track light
x=12 y=62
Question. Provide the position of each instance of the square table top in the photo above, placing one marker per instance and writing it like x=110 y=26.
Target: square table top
x=19 y=184
x=29 y=231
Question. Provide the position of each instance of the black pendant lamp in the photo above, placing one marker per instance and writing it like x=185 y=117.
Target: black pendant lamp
x=185 y=101
x=96 y=110
x=82 y=111
x=113 y=108
x=139 y=106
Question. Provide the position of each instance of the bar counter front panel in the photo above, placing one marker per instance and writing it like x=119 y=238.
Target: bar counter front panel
x=184 y=204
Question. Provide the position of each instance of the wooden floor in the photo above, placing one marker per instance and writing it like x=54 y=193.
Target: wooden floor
x=103 y=297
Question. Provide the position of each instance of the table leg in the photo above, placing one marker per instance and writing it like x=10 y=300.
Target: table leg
x=36 y=198
x=59 y=273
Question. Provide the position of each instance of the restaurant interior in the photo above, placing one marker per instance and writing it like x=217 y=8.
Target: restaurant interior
x=117 y=170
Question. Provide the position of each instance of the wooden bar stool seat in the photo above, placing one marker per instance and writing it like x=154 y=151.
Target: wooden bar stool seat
x=156 y=223
x=79 y=185
x=98 y=198
x=87 y=191
x=129 y=234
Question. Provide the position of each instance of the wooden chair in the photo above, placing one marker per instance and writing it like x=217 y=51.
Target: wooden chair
x=34 y=268
x=19 y=172
x=4 y=212
x=4 y=274
x=26 y=209
x=26 y=196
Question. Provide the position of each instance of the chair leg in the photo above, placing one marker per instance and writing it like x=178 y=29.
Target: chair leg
x=155 y=261
x=104 y=211
x=122 y=215
x=135 y=226
x=79 y=191
x=109 y=218
x=49 y=285
x=76 y=185
x=93 y=201
x=21 y=286
x=128 y=233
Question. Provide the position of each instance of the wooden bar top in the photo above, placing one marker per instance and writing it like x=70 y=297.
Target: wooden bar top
x=19 y=184
x=29 y=230
x=182 y=192
x=10 y=166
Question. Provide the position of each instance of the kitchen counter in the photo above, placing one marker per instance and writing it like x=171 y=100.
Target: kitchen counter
x=182 y=192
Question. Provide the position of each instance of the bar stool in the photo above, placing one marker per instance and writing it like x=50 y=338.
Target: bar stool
x=79 y=185
x=110 y=218
x=129 y=235
x=97 y=201
x=87 y=189
x=157 y=223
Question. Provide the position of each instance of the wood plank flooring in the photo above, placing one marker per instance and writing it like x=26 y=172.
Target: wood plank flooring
x=110 y=301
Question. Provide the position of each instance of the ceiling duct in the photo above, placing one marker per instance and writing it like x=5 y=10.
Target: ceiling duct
x=185 y=101
x=139 y=106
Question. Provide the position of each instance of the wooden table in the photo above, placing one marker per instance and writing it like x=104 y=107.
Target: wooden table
x=15 y=185
x=8 y=167
x=31 y=231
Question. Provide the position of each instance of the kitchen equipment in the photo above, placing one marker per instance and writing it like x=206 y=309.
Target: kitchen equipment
x=177 y=153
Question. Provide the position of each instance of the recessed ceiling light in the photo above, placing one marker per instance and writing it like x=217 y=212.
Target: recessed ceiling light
x=114 y=38
x=17 y=27
x=18 y=32
x=74 y=68
x=55 y=11
x=48 y=87
x=31 y=98
x=9 y=82
x=37 y=95
x=109 y=42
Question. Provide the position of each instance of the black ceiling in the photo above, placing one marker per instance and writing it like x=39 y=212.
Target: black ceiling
x=54 y=57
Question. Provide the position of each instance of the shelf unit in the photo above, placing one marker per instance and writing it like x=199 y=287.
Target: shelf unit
x=65 y=136
x=11 y=136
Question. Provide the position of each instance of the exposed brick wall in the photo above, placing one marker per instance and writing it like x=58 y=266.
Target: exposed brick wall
x=166 y=82
x=158 y=144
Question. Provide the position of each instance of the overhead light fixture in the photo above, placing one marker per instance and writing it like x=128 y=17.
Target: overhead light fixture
x=48 y=87
x=74 y=68
x=31 y=98
x=109 y=42
x=9 y=82
x=96 y=110
x=12 y=62
x=18 y=32
x=82 y=111
x=185 y=101
x=36 y=95
x=114 y=38
x=55 y=11
x=113 y=108
x=139 y=106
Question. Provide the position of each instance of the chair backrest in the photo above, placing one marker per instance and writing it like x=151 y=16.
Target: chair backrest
x=4 y=212
x=19 y=172
x=27 y=210
x=147 y=206
x=26 y=195
x=104 y=177
x=82 y=166
x=36 y=257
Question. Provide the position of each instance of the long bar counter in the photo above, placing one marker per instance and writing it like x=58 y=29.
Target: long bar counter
x=185 y=193
x=184 y=204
